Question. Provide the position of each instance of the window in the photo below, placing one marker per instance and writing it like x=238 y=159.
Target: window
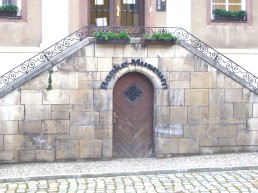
x=100 y=12
x=229 y=5
x=6 y=2
x=117 y=12
x=17 y=3
x=228 y=8
x=129 y=13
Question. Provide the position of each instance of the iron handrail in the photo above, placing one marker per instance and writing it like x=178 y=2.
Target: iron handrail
x=84 y=32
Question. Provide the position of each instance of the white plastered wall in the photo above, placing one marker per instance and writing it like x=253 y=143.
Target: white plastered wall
x=246 y=58
x=54 y=27
x=54 y=21
x=179 y=14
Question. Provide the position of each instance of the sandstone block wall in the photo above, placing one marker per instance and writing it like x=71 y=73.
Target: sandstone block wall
x=202 y=111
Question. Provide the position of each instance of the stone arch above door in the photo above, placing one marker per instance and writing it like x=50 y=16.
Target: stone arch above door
x=148 y=73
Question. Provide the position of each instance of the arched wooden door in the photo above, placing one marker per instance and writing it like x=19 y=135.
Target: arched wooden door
x=133 y=117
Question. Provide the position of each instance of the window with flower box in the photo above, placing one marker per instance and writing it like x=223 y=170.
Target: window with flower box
x=228 y=10
x=10 y=8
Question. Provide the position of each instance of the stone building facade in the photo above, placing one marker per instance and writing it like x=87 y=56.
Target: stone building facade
x=197 y=109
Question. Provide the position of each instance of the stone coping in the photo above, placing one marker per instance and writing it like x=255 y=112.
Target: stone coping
x=121 y=167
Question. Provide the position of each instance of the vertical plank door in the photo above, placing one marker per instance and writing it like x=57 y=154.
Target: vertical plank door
x=133 y=117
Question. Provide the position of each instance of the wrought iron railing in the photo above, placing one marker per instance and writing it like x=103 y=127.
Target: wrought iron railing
x=42 y=57
x=62 y=45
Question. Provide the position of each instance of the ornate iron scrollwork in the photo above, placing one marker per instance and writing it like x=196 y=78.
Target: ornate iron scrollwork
x=45 y=56
x=133 y=93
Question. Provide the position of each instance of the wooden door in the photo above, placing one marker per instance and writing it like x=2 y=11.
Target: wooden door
x=116 y=12
x=129 y=13
x=133 y=117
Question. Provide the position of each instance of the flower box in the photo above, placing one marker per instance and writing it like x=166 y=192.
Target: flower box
x=228 y=18
x=8 y=10
x=113 y=41
x=157 y=42
x=8 y=13
x=159 y=38
x=223 y=15
x=109 y=37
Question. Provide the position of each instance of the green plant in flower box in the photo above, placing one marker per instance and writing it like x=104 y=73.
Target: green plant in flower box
x=165 y=36
x=108 y=35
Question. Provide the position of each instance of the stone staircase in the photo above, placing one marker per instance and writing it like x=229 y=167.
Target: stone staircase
x=81 y=38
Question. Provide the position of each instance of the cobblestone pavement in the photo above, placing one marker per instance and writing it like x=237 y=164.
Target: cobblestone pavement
x=120 y=167
x=224 y=181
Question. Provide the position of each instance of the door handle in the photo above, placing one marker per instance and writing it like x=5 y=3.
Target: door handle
x=117 y=11
x=115 y=116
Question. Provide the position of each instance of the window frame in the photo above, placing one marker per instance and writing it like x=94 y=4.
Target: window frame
x=246 y=5
x=112 y=11
x=21 y=13
x=243 y=4
x=227 y=4
x=102 y=12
